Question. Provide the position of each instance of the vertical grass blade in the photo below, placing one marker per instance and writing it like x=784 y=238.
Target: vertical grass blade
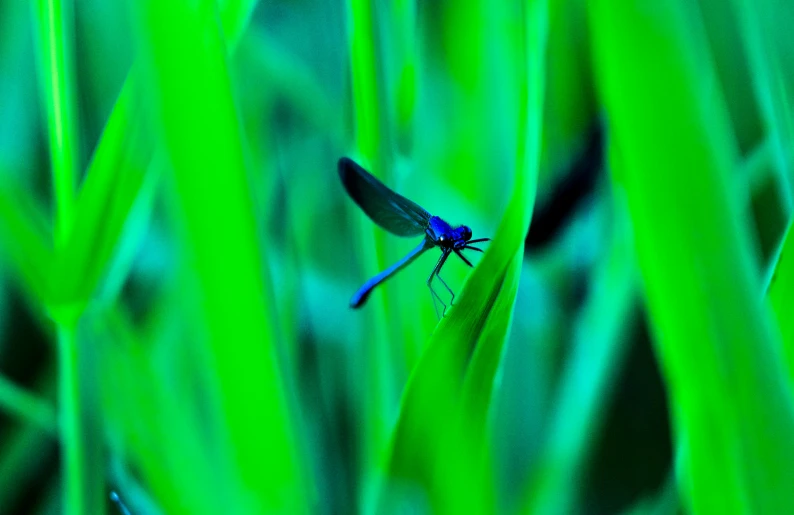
x=56 y=70
x=365 y=79
x=781 y=297
x=440 y=442
x=672 y=152
x=70 y=420
x=600 y=343
x=369 y=123
x=189 y=78
x=55 y=19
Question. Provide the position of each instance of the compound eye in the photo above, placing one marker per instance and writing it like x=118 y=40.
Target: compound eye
x=466 y=233
x=442 y=238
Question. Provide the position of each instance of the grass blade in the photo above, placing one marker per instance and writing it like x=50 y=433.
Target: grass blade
x=55 y=19
x=440 y=440
x=781 y=297
x=56 y=70
x=203 y=139
x=26 y=406
x=120 y=166
x=26 y=241
x=672 y=151
x=585 y=385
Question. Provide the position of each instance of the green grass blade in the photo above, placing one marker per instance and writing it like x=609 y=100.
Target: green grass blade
x=150 y=425
x=26 y=241
x=23 y=457
x=112 y=184
x=781 y=297
x=235 y=15
x=770 y=86
x=72 y=422
x=54 y=22
x=369 y=119
x=440 y=440
x=673 y=153
x=55 y=19
x=600 y=343
x=119 y=168
x=26 y=406
x=190 y=81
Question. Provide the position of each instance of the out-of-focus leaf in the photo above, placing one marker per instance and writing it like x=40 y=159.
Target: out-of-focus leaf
x=663 y=502
x=673 y=152
x=600 y=343
x=112 y=184
x=148 y=421
x=26 y=406
x=187 y=74
x=26 y=449
x=569 y=107
x=55 y=24
x=25 y=240
x=23 y=457
x=781 y=297
x=773 y=91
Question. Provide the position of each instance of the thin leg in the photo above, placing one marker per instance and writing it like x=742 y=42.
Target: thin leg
x=461 y=256
x=435 y=303
x=451 y=293
x=439 y=264
x=478 y=240
x=473 y=248
x=436 y=300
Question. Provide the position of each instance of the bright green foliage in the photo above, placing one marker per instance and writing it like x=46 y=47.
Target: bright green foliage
x=440 y=440
x=188 y=61
x=178 y=254
x=719 y=351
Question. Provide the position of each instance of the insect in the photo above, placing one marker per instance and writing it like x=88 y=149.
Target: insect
x=402 y=217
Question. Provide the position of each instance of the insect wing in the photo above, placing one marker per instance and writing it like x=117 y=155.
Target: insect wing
x=388 y=209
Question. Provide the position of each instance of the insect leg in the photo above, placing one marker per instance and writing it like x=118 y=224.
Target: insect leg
x=439 y=264
x=451 y=293
x=473 y=248
x=461 y=256
x=478 y=240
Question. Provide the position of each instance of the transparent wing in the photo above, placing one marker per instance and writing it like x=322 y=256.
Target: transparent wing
x=390 y=210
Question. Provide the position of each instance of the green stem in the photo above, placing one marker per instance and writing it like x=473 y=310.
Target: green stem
x=56 y=71
x=70 y=421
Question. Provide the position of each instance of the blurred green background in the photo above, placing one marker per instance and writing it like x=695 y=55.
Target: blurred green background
x=177 y=255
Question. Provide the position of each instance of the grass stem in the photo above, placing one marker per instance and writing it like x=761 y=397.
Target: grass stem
x=70 y=420
x=56 y=71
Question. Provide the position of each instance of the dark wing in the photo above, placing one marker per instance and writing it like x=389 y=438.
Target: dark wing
x=390 y=210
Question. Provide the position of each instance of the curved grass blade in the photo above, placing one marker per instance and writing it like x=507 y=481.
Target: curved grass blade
x=119 y=169
x=672 y=152
x=189 y=78
x=439 y=447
